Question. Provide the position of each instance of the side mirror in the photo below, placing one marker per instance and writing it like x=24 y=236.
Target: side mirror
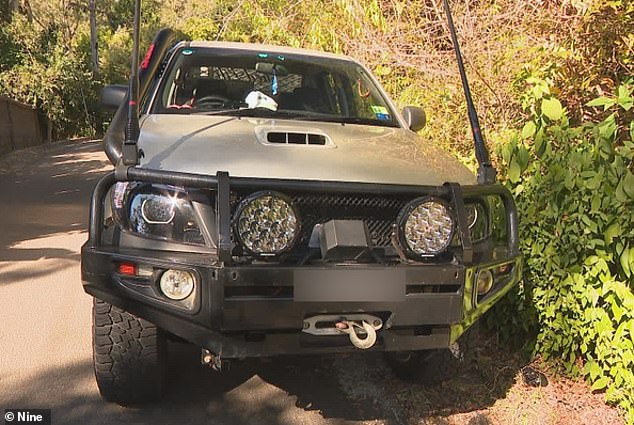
x=414 y=117
x=113 y=96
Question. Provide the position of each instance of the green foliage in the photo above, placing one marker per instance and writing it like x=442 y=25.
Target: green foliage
x=575 y=188
x=10 y=54
x=115 y=61
x=48 y=74
x=598 y=54
x=201 y=28
x=45 y=58
x=118 y=14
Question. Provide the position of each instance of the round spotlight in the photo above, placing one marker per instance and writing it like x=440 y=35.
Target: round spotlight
x=426 y=226
x=266 y=223
x=177 y=284
x=484 y=282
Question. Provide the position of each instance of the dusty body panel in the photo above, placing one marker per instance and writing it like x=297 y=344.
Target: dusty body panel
x=360 y=153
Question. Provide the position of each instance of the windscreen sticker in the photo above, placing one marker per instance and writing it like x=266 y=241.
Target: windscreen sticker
x=381 y=112
x=188 y=52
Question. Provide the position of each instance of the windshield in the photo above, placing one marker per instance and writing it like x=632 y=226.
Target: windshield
x=265 y=84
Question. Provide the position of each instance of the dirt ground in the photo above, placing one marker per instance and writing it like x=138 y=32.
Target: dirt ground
x=491 y=389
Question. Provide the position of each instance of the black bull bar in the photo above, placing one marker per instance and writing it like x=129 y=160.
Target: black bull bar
x=222 y=184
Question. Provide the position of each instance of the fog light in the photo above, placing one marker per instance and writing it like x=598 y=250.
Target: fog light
x=484 y=282
x=177 y=284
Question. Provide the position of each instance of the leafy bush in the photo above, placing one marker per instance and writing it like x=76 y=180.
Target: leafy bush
x=49 y=74
x=575 y=188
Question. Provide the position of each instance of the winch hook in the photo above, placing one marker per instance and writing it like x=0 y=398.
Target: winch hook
x=349 y=327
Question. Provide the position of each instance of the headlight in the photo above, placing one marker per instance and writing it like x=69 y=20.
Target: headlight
x=156 y=211
x=478 y=220
x=426 y=226
x=266 y=223
x=472 y=214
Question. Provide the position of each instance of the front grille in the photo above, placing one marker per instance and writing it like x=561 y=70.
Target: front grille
x=378 y=212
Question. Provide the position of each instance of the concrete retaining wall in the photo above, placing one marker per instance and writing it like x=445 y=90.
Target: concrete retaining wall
x=19 y=126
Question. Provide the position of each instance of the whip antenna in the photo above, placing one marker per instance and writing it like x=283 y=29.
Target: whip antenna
x=486 y=172
x=130 y=152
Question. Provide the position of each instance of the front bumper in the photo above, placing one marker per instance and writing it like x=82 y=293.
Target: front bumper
x=259 y=310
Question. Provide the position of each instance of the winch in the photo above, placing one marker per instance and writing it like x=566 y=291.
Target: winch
x=361 y=328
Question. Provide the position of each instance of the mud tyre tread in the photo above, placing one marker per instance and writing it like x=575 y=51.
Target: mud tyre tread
x=129 y=356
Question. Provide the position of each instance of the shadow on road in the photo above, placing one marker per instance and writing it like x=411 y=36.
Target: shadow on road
x=286 y=390
x=20 y=254
x=46 y=192
x=196 y=396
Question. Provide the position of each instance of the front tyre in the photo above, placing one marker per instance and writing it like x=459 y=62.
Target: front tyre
x=129 y=355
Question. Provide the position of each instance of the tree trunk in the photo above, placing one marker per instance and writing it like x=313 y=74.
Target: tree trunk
x=94 y=47
x=26 y=9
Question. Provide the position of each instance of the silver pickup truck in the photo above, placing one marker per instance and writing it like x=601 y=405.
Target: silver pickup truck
x=278 y=203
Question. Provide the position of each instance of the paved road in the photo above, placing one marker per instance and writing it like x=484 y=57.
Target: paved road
x=45 y=347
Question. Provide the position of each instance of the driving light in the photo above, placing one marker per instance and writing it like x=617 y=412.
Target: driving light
x=484 y=282
x=426 y=226
x=266 y=223
x=177 y=284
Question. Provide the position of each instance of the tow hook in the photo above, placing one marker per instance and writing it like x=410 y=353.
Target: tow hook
x=349 y=327
x=210 y=359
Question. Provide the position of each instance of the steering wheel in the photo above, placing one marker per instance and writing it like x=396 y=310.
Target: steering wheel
x=212 y=100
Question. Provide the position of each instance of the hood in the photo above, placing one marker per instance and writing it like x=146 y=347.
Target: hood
x=353 y=153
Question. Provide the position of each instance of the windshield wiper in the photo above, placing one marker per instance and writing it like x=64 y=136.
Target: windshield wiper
x=352 y=120
x=217 y=112
x=306 y=116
